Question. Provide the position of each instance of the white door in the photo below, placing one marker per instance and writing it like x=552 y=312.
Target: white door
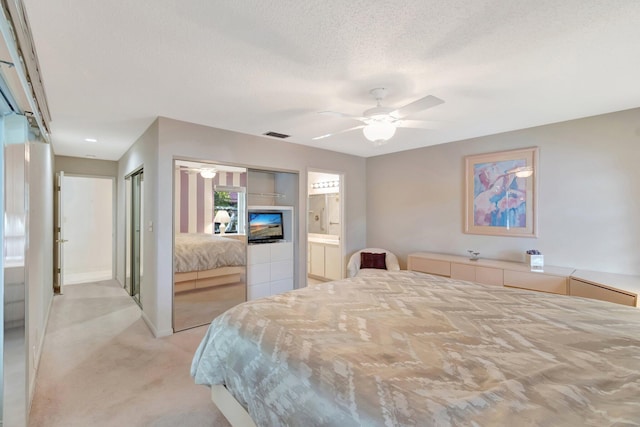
x=87 y=227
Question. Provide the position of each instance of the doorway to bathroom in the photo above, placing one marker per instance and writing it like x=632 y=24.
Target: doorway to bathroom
x=325 y=210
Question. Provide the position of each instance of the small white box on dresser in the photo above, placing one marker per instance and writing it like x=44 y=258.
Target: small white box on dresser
x=536 y=262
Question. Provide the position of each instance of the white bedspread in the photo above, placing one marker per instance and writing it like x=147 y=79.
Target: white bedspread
x=196 y=252
x=410 y=349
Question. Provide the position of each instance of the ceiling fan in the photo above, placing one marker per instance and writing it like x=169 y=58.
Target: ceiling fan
x=380 y=122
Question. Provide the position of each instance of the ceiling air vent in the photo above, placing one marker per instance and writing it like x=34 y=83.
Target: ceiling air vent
x=277 y=135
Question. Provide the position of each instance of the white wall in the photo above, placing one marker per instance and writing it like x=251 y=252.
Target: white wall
x=88 y=227
x=40 y=255
x=190 y=141
x=589 y=196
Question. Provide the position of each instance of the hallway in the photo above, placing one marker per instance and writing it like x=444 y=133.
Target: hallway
x=101 y=366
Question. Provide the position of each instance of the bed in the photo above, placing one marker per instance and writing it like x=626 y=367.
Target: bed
x=410 y=349
x=205 y=260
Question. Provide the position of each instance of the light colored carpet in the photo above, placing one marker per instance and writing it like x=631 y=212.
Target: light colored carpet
x=14 y=374
x=101 y=366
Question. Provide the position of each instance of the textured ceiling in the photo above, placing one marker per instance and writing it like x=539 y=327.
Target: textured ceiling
x=111 y=67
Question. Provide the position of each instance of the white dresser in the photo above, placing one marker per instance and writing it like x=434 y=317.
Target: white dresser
x=269 y=269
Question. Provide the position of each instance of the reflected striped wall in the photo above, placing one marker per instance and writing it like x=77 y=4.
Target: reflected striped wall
x=194 y=198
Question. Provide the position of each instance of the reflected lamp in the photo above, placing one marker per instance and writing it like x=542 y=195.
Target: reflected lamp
x=222 y=217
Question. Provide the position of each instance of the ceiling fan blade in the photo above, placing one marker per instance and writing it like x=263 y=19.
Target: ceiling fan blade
x=416 y=106
x=342 y=115
x=418 y=124
x=336 y=133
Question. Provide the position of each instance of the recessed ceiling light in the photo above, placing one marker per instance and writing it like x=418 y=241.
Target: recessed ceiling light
x=91 y=140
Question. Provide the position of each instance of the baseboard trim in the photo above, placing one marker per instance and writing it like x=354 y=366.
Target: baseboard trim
x=37 y=356
x=91 y=276
x=156 y=333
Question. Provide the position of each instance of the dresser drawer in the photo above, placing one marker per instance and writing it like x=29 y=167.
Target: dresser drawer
x=183 y=277
x=258 y=273
x=281 y=251
x=588 y=290
x=536 y=281
x=185 y=285
x=463 y=272
x=431 y=266
x=258 y=291
x=489 y=276
x=476 y=273
x=185 y=281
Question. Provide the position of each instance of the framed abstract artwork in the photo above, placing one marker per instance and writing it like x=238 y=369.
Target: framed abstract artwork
x=500 y=193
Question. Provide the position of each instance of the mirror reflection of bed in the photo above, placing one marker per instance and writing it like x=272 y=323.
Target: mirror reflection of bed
x=210 y=241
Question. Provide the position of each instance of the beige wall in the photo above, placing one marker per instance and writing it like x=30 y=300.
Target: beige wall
x=589 y=196
x=82 y=166
x=143 y=154
x=167 y=139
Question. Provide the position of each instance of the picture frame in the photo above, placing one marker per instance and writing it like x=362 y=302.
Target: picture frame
x=500 y=199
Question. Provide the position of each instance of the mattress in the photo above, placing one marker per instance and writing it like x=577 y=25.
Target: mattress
x=197 y=252
x=411 y=349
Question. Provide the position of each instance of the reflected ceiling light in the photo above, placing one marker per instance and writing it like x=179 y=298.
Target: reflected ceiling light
x=91 y=140
x=207 y=173
x=379 y=131
x=521 y=172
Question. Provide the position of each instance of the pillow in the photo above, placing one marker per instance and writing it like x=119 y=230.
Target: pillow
x=371 y=260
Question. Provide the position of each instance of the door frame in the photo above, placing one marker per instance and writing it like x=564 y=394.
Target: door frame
x=128 y=205
x=57 y=222
x=343 y=238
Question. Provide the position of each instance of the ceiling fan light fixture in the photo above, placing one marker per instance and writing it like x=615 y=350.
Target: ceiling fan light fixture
x=379 y=132
x=380 y=123
x=208 y=173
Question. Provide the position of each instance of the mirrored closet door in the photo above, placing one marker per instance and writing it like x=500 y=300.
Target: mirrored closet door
x=134 y=196
x=209 y=241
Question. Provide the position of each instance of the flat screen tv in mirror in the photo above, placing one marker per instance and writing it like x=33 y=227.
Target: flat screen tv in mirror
x=265 y=227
